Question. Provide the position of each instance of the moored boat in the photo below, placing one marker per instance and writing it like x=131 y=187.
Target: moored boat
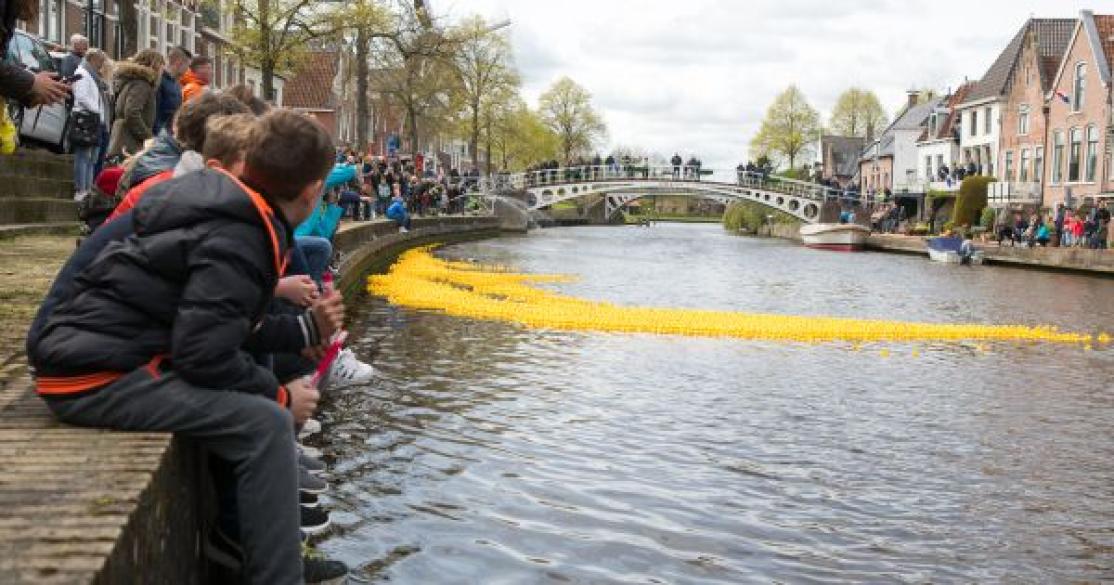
x=835 y=236
x=951 y=250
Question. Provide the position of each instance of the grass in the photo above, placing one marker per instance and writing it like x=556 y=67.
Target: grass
x=29 y=265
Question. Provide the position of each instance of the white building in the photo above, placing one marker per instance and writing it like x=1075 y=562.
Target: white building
x=939 y=144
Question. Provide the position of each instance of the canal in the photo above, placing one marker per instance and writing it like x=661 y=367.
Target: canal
x=489 y=453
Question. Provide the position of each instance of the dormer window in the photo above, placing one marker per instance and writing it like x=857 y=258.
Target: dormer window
x=1080 y=86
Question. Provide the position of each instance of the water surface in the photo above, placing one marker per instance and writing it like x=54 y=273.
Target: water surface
x=487 y=453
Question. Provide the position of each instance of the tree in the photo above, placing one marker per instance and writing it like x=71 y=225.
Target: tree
x=857 y=112
x=518 y=137
x=273 y=35
x=487 y=77
x=566 y=108
x=414 y=69
x=789 y=128
x=362 y=21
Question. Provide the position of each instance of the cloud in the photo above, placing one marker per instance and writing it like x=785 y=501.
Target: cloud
x=697 y=76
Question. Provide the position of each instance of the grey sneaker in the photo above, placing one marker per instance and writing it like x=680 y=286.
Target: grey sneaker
x=307 y=482
x=322 y=571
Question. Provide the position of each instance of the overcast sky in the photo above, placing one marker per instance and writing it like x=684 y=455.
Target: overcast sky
x=696 y=76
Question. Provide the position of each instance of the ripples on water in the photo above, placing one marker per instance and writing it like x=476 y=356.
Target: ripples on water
x=485 y=453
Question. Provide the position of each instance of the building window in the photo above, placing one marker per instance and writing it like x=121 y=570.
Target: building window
x=939 y=162
x=1092 y=154
x=50 y=20
x=1075 y=153
x=1023 y=120
x=928 y=168
x=1080 y=86
x=988 y=116
x=974 y=123
x=1023 y=172
x=1038 y=164
x=1009 y=165
x=1057 y=157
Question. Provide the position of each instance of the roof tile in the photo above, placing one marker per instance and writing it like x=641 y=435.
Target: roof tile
x=311 y=87
x=1053 y=36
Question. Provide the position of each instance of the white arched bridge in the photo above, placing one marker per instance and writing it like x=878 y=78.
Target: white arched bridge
x=618 y=186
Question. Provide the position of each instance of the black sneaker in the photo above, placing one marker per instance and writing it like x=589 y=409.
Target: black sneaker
x=321 y=571
x=314 y=521
x=308 y=500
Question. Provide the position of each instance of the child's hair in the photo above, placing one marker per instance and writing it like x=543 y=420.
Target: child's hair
x=288 y=152
x=190 y=125
x=227 y=138
x=244 y=93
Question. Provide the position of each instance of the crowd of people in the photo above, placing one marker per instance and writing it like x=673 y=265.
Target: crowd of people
x=1075 y=228
x=201 y=300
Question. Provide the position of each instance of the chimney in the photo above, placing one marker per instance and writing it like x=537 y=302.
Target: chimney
x=914 y=97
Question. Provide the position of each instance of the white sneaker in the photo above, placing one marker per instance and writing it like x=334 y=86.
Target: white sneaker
x=80 y=196
x=349 y=370
x=402 y=230
x=311 y=427
x=309 y=451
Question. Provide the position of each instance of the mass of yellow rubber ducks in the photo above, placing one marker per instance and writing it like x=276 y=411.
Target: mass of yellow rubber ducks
x=419 y=280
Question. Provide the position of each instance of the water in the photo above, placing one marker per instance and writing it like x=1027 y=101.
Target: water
x=485 y=453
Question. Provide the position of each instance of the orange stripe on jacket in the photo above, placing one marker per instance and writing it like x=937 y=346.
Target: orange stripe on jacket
x=136 y=193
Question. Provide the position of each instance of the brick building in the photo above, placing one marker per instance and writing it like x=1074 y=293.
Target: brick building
x=1080 y=123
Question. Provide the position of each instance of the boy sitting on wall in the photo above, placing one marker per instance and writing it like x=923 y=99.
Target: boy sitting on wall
x=151 y=337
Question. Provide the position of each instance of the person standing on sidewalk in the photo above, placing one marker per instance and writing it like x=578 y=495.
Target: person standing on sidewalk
x=134 y=87
x=79 y=45
x=88 y=110
x=168 y=98
x=196 y=79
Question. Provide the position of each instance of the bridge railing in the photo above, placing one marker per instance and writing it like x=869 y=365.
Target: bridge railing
x=683 y=174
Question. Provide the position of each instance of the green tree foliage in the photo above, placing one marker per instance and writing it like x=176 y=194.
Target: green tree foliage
x=749 y=216
x=488 y=79
x=273 y=35
x=521 y=138
x=857 y=112
x=971 y=200
x=566 y=108
x=789 y=129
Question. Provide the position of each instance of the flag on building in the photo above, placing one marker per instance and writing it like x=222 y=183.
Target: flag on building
x=1063 y=96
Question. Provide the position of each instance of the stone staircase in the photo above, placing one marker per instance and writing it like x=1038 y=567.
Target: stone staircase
x=36 y=187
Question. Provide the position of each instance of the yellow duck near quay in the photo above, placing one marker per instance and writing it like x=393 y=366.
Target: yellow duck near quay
x=419 y=280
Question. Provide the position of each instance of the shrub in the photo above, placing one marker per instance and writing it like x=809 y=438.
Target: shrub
x=989 y=214
x=972 y=200
x=751 y=216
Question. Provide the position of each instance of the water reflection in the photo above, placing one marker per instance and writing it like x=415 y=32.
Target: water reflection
x=487 y=454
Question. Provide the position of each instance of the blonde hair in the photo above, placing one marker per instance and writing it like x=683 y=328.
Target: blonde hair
x=101 y=64
x=149 y=58
x=227 y=138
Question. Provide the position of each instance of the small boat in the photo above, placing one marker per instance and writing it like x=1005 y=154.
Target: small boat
x=952 y=250
x=835 y=236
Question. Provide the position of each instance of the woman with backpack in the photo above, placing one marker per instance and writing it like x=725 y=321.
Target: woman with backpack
x=86 y=120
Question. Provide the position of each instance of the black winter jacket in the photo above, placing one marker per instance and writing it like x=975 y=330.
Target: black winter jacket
x=192 y=284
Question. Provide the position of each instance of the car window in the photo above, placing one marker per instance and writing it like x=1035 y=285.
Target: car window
x=39 y=53
x=25 y=45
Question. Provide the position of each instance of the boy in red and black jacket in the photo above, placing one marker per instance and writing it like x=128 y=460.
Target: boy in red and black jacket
x=152 y=337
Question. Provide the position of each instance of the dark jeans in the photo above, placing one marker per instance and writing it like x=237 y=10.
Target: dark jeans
x=102 y=150
x=254 y=434
x=310 y=256
x=354 y=205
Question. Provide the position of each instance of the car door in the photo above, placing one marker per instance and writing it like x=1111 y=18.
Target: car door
x=45 y=123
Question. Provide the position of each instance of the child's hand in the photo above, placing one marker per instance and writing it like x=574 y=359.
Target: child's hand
x=328 y=314
x=303 y=399
x=300 y=290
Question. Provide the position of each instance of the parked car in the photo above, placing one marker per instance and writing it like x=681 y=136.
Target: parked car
x=45 y=124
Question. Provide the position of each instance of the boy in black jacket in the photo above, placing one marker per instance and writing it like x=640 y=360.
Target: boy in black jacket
x=152 y=337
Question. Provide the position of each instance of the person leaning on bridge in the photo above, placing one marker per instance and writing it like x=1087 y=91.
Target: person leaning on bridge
x=16 y=82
